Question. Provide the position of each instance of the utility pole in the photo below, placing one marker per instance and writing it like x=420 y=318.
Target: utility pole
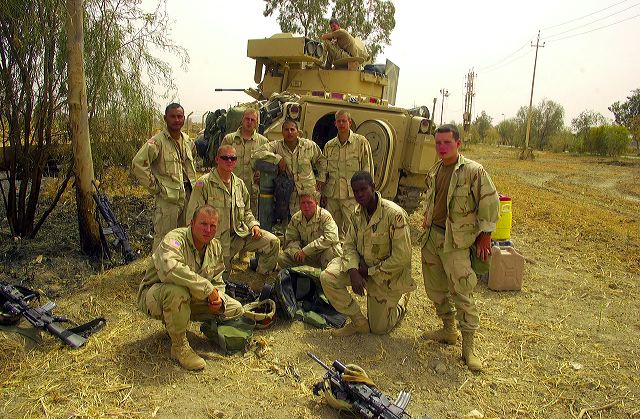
x=445 y=93
x=526 y=153
x=433 y=113
x=468 y=100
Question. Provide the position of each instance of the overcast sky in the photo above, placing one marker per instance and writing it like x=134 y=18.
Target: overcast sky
x=436 y=44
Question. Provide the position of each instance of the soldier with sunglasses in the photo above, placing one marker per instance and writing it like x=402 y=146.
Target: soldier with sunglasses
x=238 y=229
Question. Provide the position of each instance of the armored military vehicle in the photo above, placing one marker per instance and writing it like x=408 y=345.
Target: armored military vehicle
x=292 y=83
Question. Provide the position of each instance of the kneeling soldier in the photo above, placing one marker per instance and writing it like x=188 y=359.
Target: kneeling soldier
x=184 y=282
x=377 y=258
x=311 y=237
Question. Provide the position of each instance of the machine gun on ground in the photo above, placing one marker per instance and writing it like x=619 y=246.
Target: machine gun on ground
x=120 y=238
x=15 y=304
x=365 y=400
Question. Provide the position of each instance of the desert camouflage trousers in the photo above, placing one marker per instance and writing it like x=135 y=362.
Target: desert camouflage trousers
x=341 y=210
x=384 y=309
x=449 y=282
x=267 y=247
x=168 y=216
x=319 y=260
x=174 y=306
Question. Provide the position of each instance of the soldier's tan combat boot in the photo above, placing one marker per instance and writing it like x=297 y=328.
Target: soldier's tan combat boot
x=182 y=352
x=358 y=324
x=473 y=362
x=447 y=334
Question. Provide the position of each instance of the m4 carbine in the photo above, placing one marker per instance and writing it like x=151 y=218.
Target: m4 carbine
x=15 y=303
x=121 y=239
x=365 y=400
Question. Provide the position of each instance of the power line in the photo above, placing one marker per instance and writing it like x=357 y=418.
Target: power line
x=521 y=56
x=582 y=17
x=593 y=30
x=592 y=22
x=505 y=58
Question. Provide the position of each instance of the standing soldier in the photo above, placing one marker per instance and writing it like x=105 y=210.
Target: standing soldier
x=238 y=229
x=183 y=282
x=298 y=157
x=246 y=140
x=311 y=237
x=165 y=166
x=462 y=210
x=377 y=258
x=346 y=154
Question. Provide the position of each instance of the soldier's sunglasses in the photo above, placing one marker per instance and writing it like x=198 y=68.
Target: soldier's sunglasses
x=229 y=158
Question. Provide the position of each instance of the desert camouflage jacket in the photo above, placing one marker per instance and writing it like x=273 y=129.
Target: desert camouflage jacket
x=472 y=203
x=312 y=236
x=343 y=160
x=161 y=163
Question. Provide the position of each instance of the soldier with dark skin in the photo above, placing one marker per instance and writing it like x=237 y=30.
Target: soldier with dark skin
x=376 y=259
x=165 y=166
x=461 y=210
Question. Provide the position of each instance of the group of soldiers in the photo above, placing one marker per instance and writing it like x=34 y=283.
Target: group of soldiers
x=358 y=239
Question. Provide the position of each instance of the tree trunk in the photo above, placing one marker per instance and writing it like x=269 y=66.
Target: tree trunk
x=79 y=120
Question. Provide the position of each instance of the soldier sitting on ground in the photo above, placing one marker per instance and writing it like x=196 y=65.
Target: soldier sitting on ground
x=311 y=237
x=377 y=258
x=184 y=282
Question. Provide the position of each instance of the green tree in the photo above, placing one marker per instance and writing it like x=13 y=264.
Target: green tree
x=34 y=114
x=607 y=140
x=508 y=130
x=549 y=120
x=371 y=20
x=564 y=140
x=624 y=112
x=482 y=124
x=587 y=119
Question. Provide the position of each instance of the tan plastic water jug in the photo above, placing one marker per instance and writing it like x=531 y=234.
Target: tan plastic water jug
x=507 y=268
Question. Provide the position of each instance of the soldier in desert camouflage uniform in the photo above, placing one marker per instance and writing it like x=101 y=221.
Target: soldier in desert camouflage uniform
x=377 y=258
x=164 y=165
x=246 y=140
x=461 y=209
x=346 y=154
x=311 y=237
x=298 y=157
x=238 y=230
x=184 y=282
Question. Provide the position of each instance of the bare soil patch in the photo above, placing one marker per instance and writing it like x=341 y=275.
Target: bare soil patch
x=565 y=346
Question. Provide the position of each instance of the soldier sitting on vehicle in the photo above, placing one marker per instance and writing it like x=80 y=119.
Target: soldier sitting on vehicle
x=311 y=237
x=184 y=282
x=340 y=45
x=377 y=258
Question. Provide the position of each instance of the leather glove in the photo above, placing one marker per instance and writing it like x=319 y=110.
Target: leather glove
x=214 y=300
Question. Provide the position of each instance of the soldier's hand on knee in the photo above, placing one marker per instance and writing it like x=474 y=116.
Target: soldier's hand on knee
x=299 y=256
x=214 y=300
x=363 y=270
x=358 y=283
x=256 y=233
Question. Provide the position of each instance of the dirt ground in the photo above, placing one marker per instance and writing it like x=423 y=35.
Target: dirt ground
x=565 y=346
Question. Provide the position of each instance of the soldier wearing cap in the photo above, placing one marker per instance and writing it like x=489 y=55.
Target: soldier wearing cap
x=376 y=259
x=461 y=210
x=346 y=154
x=238 y=230
x=165 y=166
x=183 y=282
x=298 y=157
x=246 y=140
x=311 y=237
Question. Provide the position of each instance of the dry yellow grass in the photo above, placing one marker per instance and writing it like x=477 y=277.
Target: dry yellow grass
x=565 y=346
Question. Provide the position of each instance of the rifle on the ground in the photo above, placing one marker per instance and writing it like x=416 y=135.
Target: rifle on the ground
x=15 y=303
x=121 y=239
x=239 y=291
x=365 y=400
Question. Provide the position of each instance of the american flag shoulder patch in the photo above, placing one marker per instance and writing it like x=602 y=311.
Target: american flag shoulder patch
x=199 y=183
x=151 y=141
x=175 y=243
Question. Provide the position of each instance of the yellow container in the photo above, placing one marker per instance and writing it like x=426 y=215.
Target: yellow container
x=503 y=226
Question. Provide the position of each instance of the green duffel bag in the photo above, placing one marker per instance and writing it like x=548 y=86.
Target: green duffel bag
x=229 y=335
